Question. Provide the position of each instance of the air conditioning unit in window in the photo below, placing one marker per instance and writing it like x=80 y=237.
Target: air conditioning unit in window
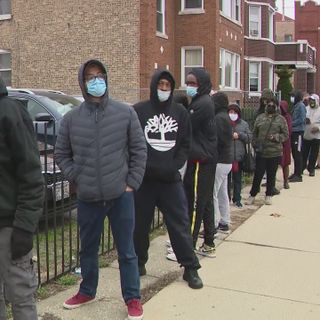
x=254 y=33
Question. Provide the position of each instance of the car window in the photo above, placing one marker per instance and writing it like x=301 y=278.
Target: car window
x=35 y=108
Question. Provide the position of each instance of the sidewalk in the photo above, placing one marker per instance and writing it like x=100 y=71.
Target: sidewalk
x=268 y=268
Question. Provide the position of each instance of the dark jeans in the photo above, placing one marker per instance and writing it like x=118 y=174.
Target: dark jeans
x=268 y=165
x=198 y=183
x=310 y=152
x=91 y=218
x=171 y=200
x=296 y=147
x=235 y=185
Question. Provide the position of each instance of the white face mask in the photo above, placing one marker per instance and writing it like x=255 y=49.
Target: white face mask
x=233 y=116
x=163 y=95
x=292 y=99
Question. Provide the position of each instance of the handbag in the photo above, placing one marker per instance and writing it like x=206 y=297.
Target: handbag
x=248 y=163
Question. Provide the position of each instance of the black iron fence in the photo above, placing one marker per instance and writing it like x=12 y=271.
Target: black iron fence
x=56 y=243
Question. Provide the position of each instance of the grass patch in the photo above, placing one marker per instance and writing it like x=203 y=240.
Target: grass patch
x=67 y=280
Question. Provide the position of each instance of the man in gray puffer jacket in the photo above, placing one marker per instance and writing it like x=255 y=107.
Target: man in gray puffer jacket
x=101 y=148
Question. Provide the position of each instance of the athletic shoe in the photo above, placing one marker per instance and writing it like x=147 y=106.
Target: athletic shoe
x=168 y=243
x=169 y=250
x=135 y=311
x=224 y=228
x=295 y=179
x=77 y=301
x=275 y=191
x=250 y=200
x=207 y=251
x=142 y=270
x=268 y=200
x=286 y=185
x=312 y=173
x=193 y=279
x=238 y=204
x=171 y=257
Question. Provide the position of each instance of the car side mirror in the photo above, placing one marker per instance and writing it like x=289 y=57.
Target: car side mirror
x=44 y=117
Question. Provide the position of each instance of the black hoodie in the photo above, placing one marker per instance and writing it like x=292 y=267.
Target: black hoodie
x=167 y=129
x=21 y=181
x=202 y=114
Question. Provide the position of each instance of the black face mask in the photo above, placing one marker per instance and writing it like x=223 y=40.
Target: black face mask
x=271 y=109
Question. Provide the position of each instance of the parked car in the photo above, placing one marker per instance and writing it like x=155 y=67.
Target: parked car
x=49 y=106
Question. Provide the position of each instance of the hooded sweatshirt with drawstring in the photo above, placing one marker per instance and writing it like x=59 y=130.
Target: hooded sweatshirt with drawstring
x=312 y=130
x=100 y=146
x=167 y=130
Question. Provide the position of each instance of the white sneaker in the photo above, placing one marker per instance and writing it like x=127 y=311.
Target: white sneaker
x=250 y=200
x=268 y=200
x=168 y=243
x=169 y=250
x=171 y=257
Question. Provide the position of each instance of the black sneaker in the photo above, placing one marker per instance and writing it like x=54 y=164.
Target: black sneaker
x=223 y=228
x=142 y=270
x=312 y=173
x=193 y=279
x=295 y=179
x=275 y=191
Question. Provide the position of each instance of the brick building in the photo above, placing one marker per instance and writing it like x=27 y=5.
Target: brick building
x=307 y=26
x=284 y=28
x=43 y=44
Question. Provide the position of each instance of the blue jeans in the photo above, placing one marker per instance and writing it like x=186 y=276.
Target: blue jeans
x=91 y=217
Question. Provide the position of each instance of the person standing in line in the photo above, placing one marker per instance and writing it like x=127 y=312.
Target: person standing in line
x=266 y=95
x=224 y=165
x=101 y=148
x=167 y=130
x=286 y=155
x=311 y=137
x=269 y=132
x=298 y=126
x=21 y=203
x=199 y=177
x=241 y=136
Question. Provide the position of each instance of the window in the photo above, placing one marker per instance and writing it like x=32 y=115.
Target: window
x=5 y=66
x=231 y=9
x=160 y=16
x=271 y=25
x=5 y=7
x=229 y=69
x=254 y=21
x=190 y=58
x=192 y=4
x=288 y=38
x=254 y=76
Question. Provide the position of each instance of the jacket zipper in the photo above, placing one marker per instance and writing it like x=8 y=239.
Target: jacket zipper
x=98 y=153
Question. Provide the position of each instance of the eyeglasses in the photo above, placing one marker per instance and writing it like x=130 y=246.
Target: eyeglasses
x=100 y=76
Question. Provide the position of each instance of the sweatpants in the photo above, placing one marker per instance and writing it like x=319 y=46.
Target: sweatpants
x=171 y=200
x=310 y=150
x=198 y=182
x=18 y=279
x=220 y=195
x=296 y=147
x=268 y=165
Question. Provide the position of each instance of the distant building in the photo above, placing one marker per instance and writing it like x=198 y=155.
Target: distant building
x=284 y=28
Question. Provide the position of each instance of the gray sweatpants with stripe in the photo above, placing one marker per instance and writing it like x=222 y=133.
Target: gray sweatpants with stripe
x=18 y=281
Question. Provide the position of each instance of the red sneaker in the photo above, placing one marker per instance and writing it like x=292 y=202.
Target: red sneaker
x=135 y=311
x=77 y=301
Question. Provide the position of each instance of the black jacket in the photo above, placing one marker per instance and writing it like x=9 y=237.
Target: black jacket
x=167 y=129
x=202 y=115
x=21 y=180
x=224 y=129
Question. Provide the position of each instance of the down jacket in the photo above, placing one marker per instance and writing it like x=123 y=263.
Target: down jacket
x=101 y=147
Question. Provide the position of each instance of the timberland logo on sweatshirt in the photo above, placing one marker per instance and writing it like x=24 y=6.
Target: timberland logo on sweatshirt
x=156 y=129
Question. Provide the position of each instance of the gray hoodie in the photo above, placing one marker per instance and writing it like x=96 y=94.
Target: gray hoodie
x=100 y=146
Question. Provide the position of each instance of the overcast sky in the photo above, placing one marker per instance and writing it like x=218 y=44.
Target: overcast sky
x=288 y=6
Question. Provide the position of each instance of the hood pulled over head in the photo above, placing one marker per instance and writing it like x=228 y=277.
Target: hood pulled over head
x=315 y=97
x=204 y=80
x=3 y=88
x=284 y=107
x=235 y=107
x=82 y=81
x=221 y=101
x=157 y=76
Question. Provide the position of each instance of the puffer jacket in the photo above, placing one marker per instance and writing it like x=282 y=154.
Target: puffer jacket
x=245 y=136
x=101 y=146
x=278 y=129
x=21 y=180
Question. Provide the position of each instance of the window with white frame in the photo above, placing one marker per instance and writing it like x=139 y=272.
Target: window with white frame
x=191 y=57
x=160 y=16
x=5 y=66
x=191 y=4
x=254 y=76
x=231 y=9
x=271 y=25
x=229 y=69
x=254 y=21
x=5 y=7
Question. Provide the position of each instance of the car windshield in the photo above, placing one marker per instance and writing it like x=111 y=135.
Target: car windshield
x=62 y=103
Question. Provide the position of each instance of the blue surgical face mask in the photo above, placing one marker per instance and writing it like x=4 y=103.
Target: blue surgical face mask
x=96 y=87
x=163 y=95
x=191 y=91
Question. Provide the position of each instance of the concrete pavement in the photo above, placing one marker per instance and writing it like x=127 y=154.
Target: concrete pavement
x=268 y=268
